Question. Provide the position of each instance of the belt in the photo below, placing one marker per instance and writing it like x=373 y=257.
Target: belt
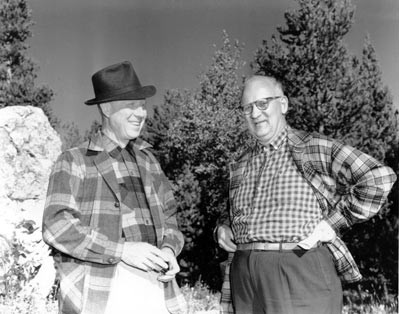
x=266 y=246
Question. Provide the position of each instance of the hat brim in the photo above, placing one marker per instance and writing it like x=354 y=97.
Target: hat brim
x=141 y=93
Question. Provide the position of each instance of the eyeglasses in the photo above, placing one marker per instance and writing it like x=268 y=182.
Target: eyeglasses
x=261 y=104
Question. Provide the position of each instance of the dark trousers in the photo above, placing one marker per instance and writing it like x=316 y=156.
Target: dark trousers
x=287 y=282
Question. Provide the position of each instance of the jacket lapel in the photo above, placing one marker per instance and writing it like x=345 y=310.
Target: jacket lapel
x=104 y=165
x=298 y=141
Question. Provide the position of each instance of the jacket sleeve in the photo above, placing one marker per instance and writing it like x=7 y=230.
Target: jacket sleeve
x=224 y=217
x=362 y=183
x=236 y=170
x=62 y=219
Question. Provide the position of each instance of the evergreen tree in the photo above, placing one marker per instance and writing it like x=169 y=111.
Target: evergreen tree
x=195 y=134
x=17 y=71
x=94 y=128
x=376 y=133
x=330 y=90
x=342 y=96
x=157 y=127
x=374 y=126
x=69 y=134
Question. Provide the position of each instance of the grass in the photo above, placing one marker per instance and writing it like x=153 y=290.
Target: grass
x=200 y=300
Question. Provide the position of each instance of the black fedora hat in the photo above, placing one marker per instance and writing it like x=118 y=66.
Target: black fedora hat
x=118 y=82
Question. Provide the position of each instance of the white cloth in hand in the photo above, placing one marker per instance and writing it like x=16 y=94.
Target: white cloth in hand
x=323 y=233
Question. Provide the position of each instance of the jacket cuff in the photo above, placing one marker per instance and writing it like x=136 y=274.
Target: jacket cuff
x=174 y=241
x=215 y=231
x=113 y=253
x=169 y=247
x=337 y=221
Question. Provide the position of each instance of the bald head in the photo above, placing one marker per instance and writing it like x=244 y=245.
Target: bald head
x=260 y=84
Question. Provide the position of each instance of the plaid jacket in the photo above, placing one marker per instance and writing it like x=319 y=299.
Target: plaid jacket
x=350 y=187
x=82 y=222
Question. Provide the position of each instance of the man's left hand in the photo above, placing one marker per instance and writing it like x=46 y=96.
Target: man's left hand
x=173 y=266
x=322 y=233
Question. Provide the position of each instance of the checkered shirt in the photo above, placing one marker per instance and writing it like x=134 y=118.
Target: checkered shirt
x=273 y=203
x=350 y=187
x=137 y=224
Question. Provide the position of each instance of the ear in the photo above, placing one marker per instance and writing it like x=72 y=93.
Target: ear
x=105 y=108
x=284 y=104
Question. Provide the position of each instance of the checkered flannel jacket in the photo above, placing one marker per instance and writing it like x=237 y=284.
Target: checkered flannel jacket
x=82 y=223
x=350 y=187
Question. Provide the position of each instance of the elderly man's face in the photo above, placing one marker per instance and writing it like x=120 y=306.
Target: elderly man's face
x=126 y=118
x=266 y=124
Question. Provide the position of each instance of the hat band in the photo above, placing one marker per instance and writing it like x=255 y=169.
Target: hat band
x=118 y=91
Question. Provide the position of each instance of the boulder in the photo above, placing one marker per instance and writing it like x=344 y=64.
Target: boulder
x=29 y=147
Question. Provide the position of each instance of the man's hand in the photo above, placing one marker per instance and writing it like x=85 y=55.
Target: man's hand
x=225 y=238
x=325 y=231
x=173 y=269
x=322 y=232
x=145 y=256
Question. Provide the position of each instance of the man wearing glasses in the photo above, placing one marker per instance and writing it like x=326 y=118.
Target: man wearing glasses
x=291 y=196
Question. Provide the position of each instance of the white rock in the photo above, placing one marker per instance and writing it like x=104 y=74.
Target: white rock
x=29 y=147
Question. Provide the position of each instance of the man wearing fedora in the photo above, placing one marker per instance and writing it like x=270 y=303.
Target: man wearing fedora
x=110 y=216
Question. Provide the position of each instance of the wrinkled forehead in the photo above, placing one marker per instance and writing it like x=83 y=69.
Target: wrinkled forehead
x=259 y=87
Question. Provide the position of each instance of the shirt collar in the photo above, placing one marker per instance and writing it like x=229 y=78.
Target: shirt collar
x=112 y=148
x=279 y=140
x=273 y=145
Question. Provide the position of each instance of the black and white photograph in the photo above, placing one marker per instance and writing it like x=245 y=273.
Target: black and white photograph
x=199 y=157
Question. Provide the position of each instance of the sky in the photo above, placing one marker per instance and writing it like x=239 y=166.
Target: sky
x=170 y=42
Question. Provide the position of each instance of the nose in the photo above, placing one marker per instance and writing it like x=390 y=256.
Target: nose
x=141 y=112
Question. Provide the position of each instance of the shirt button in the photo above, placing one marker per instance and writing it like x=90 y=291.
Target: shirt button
x=116 y=204
x=111 y=260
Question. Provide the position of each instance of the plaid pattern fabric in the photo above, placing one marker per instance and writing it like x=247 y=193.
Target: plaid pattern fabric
x=137 y=222
x=273 y=202
x=82 y=222
x=350 y=186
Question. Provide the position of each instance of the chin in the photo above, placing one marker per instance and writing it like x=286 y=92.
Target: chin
x=262 y=135
x=134 y=136
x=134 y=132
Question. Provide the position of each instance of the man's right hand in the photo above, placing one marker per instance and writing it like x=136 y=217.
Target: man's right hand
x=225 y=238
x=144 y=256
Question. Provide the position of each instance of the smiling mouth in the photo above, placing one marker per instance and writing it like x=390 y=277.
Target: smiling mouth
x=260 y=122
